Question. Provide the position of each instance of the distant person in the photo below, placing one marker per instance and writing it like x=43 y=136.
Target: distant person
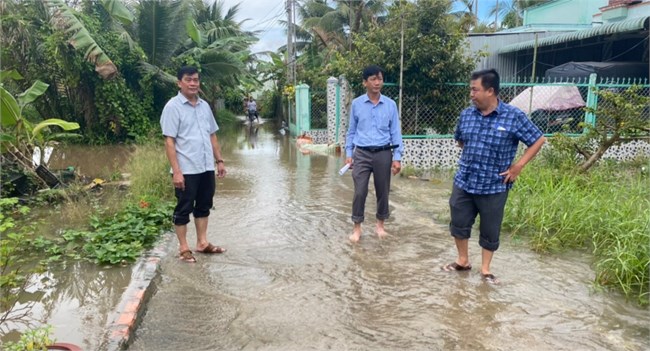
x=373 y=145
x=189 y=128
x=252 y=110
x=489 y=133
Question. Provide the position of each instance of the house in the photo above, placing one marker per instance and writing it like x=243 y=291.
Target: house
x=562 y=31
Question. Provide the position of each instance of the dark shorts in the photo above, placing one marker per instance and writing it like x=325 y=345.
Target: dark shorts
x=196 y=198
x=464 y=209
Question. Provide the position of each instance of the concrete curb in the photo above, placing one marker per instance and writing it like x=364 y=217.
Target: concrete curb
x=127 y=315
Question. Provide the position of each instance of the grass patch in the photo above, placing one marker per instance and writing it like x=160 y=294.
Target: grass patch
x=149 y=173
x=606 y=211
x=225 y=117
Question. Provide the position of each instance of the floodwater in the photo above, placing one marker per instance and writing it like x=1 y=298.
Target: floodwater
x=291 y=280
x=102 y=161
x=75 y=298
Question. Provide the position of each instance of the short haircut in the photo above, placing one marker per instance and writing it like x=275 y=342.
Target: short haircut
x=371 y=71
x=489 y=79
x=186 y=71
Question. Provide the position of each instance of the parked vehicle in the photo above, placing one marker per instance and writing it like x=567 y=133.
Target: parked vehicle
x=553 y=108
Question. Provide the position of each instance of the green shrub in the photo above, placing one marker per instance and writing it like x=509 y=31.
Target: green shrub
x=225 y=117
x=32 y=340
x=122 y=237
x=606 y=211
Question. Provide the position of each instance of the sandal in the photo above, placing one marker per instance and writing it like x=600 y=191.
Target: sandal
x=186 y=255
x=455 y=267
x=211 y=249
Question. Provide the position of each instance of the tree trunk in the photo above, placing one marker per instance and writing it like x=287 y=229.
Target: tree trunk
x=602 y=148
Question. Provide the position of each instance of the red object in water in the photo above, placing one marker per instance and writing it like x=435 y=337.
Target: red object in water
x=64 y=346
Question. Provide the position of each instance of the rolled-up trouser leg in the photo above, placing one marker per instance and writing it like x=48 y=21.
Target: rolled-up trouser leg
x=490 y=208
x=381 y=164
x=185 y=200
x=205 y=194
x=463 y=213
x=361 y=169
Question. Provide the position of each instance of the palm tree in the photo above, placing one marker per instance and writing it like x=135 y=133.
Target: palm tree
x=157 y=29
x=466 y=16
x=511 y=11
x=333 y=27
x=221 y=47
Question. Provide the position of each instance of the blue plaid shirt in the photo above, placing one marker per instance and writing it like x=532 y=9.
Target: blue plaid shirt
x=489 y=146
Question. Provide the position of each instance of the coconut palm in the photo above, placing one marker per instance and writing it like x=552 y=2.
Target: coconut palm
x=332 y=27
x=157 y=29
x=511 y=11
x=467 y=18
x=221 y=48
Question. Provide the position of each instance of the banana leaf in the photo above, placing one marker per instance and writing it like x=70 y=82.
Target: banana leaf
x=9 y=109
x=37 y=89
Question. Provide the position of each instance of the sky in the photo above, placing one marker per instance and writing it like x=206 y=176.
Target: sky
x=264 y=16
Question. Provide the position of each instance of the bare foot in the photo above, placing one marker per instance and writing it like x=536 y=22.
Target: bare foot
x=381 y=233
x=354 y=238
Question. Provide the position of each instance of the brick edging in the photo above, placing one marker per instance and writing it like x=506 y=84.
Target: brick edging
x=129 y=311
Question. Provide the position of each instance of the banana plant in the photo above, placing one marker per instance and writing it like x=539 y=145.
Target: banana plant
x=64 y=19
x=18 y=136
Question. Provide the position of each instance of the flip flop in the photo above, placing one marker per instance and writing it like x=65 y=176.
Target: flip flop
x=211 y=249
x=186 y=255
x=455 y=267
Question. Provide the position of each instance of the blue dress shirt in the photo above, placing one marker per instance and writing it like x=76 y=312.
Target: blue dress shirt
x=374 y=125
x=489 y=146
x=191 y=127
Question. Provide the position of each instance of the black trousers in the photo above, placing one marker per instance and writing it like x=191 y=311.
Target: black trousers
x=464 y=209
x=196 y=198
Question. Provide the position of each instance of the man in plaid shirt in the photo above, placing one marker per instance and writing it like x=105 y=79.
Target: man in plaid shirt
x=489 y=133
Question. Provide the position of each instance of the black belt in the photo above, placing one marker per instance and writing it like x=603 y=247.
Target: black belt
x=377 y=148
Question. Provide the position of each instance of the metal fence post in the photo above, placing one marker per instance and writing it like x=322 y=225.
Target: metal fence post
x=592 y=100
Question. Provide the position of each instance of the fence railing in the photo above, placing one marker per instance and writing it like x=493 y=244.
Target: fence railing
x=318 y=109
x=554 y=105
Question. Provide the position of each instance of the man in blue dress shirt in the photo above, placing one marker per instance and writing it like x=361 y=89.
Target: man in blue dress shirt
x=373 y=145
x=489 y=133
x=192 y=149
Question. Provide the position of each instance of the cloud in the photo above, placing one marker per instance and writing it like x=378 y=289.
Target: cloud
x=263 y=16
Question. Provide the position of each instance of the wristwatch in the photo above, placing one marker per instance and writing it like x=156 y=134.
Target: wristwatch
x=219 y=161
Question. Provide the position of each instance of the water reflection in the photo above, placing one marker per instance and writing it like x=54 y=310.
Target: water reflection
x=76 y=298
x=92 y=161
x=251 y=133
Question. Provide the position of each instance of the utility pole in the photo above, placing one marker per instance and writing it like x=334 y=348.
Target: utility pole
x=401 y=61
x=290 y=59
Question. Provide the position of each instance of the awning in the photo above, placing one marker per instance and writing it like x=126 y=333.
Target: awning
x=629 y=25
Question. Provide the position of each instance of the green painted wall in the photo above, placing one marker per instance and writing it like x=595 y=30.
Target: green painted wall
x=564 y=12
